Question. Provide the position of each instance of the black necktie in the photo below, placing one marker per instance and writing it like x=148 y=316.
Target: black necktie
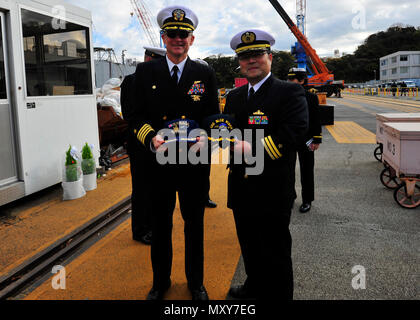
x=175 y=74
x=251 y=93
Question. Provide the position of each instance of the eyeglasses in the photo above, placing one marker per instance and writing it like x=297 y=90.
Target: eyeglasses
x=255 y=55
x=181 y=33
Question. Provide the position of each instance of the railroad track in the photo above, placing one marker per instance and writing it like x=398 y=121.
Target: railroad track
x=62 y=251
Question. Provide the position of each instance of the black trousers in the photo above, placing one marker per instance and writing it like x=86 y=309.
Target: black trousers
x=141 y=221
x=192 y=195
x=266 y=246
x=306 y=163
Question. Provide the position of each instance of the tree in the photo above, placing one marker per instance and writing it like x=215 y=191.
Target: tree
x=361 y=66
x=226 y=68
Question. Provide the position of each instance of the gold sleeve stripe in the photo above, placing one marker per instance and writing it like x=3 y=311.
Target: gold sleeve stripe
x=267 y=149
x=144 y=128
x=273 y=147
x=143 y=137
x=317 y=136
x=267 y=143
x=143 y=132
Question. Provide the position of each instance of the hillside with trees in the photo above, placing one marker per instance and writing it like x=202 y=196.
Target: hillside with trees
x=357 y=67
x=360 y=66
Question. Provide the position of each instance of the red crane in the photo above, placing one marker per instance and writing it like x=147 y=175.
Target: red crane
x=143 y=15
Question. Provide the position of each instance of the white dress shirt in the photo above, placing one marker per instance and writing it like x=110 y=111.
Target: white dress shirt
x=259 y=84
x=180 y=66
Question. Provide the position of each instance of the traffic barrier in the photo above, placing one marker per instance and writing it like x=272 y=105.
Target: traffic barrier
x=385 y=92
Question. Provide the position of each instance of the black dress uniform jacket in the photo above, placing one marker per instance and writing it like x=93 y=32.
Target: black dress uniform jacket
x=262 y=203
x=158 y=99
x=315 y=129
x=285 y=107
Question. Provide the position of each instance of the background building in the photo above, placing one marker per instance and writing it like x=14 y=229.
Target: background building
x=401 y=65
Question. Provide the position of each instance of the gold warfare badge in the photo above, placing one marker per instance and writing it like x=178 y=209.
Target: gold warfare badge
x=178 y=15
x=248 y=37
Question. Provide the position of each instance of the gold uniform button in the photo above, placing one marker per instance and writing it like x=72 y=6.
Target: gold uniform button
x=246 y=176
x=164 y=118
x=154 y=87
x=183 y=117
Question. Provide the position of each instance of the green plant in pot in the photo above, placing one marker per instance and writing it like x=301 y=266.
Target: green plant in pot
x=71 y=166
x=88 y=163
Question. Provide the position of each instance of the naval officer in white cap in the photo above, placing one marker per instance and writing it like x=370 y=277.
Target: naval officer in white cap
x=153 y=53
x=166 y=90
x=262 y=203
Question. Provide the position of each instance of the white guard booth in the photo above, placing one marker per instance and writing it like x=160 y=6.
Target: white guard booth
x=47 y=99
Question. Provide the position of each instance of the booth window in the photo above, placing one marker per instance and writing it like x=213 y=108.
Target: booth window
x=57 y=56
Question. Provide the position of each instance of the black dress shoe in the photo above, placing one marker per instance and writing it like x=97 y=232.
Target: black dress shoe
x=211 y=204
x=145 y=238
x=157 y=293
x=199 y=294
x=240 y=292
x=305 y=207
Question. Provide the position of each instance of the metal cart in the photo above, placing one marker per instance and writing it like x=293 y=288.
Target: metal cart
x=381 y=118
x=401 y=156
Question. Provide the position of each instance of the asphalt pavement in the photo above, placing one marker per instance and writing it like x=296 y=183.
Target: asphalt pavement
x=356 y=242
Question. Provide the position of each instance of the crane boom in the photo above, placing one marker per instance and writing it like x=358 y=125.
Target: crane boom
x=143 y=16
x=318 y=66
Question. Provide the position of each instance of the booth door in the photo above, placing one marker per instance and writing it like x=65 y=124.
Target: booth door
x=8 y=172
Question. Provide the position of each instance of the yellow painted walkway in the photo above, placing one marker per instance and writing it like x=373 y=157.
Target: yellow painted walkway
x=351 y=132
x=39 y=226
x=117 y=267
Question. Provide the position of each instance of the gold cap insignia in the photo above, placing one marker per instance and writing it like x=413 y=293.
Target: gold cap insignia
x=178 y=15
x=248 y=37
x=258 y=113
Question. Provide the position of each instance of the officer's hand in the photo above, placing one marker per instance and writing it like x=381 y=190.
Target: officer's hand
x=242 y=147
x=199 y=145
x=315 y=146
x=159 y=143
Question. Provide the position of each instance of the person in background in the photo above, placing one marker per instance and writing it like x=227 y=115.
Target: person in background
x=311 y=141
x=404 y=89
x=210 y=203
x=141 y=223
x=394 y=88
